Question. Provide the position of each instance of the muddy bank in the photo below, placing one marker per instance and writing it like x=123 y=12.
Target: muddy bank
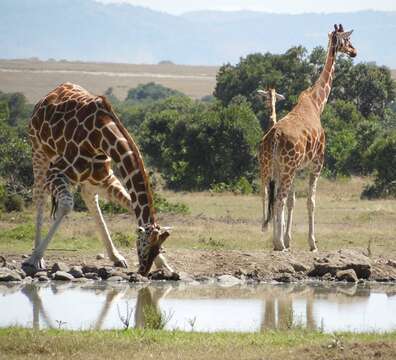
x=222 y=266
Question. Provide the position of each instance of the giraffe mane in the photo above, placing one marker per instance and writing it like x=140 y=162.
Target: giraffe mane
x=136 y=153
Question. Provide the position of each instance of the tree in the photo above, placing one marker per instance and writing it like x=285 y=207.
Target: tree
x=150 y=92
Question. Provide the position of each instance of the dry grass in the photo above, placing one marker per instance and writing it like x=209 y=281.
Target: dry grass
x=135 y=344
x=233 y=222
x=36 y=78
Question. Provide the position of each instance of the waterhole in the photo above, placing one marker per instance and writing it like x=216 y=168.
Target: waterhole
x=208 y=308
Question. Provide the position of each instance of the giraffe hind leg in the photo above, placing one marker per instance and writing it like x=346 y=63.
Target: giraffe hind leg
x=60 y=189
x=291 y=199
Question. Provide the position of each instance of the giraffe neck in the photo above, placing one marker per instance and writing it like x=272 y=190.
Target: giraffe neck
x=273 y=108
x=124 y=152
x=135 y=180
x=321 y=89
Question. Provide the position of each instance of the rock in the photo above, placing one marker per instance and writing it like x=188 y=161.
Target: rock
x=203 y=278
x=185 y=277
x=76 y=271
x=346 y=275
x=162 y=274
x=228 y=280
x=137 y=278
x=24 y=256
x=80 y=280
x=29 y=270
x=62 y=275
x=115 y=278
x=342 y=260
x=43 y=278
x=59 y=266
x=105 y=272
x=298 y=267
x=40 y=273
x=9 y=275
x=327 y=277
x=391 y=263
x=100 y=257
x=90 y=269
x=284 y=278
x=120 y=274
x=91 y=276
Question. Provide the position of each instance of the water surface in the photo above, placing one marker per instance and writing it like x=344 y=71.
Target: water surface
x=210 y=308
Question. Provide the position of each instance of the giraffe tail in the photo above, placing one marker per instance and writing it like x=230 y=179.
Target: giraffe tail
x=271 y=201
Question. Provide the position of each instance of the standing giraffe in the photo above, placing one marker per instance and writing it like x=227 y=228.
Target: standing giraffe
x=75 y=136
x=271 y=97
x=298 y=141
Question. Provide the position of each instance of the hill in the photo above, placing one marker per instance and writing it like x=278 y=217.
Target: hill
x=90 y=31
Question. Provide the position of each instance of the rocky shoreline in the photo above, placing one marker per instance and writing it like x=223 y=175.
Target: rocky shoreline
x=344 y=265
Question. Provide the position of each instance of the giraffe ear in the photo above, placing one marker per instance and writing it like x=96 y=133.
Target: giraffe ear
x=140 y=230
x=279 y=97
x=162 y=237
x=346 y=34
x=262 y=92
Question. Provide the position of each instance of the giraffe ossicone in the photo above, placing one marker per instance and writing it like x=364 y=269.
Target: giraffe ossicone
x=75 y=136
x=297 y=141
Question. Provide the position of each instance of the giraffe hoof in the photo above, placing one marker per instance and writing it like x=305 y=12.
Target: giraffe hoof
x=121 y=263
x=32 y=266
x=314 y=250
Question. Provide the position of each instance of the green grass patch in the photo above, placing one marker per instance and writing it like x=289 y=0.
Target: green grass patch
x=16 y=343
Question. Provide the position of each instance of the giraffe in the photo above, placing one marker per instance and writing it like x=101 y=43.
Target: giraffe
x=75 y=136
x=297 y=141
x=270 y=98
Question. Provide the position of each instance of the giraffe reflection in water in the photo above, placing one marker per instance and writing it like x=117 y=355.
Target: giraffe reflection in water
x=147 y=302
x=95 y=307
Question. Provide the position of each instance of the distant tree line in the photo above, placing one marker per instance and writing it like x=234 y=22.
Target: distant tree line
x=211 y=143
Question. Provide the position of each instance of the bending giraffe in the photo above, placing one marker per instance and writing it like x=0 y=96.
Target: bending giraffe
x=271 y=97
x=298 y=141
x=75 y=136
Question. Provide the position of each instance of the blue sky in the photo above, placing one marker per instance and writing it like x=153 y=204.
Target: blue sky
x=277 y=6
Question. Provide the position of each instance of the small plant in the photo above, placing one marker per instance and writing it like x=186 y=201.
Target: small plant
x=213 y=243
x=125 y=319
x=165 y=206
x=123 y=240
x=60 y=323
x=192 y=322
x=155 y=319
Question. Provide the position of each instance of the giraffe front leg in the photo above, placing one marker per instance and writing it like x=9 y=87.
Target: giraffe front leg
x=291 y=199
x=91 y=199
x=64 y=201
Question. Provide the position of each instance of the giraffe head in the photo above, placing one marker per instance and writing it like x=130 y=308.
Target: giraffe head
x=148 y=244
x=341 y=40
x=270 y=96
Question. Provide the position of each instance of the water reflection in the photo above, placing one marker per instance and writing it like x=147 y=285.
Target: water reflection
x=213 y=308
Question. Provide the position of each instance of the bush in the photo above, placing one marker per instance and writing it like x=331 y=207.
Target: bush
x=164 y=206
x=13 y=202
x=381 y=157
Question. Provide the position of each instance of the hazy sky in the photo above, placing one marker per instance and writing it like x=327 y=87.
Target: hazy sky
x=278 y=6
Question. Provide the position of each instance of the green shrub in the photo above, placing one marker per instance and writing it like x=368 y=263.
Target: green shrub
x=164 y=206
x=13 y=202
